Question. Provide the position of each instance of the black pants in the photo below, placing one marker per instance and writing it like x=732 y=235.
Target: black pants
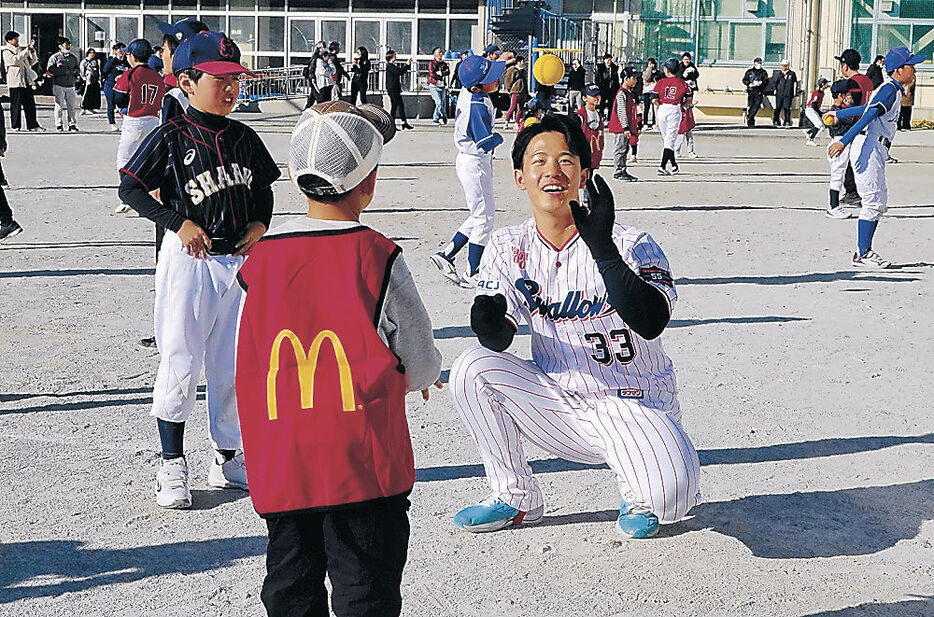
x=357 y=88
x=22 y=98
x=753 y=105
x=904 y=118
x=648 y=110
x=6 y=214
x=362 y=550
x=849 y=180
x=782 y=104
x=606 y=101
x=397 y=106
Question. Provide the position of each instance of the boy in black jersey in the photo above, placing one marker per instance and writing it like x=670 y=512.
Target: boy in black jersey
x=214 y=177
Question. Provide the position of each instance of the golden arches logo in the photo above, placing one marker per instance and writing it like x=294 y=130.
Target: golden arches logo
x=306 y=370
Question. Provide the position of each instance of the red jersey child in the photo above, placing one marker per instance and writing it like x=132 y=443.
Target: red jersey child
x=140 y=91
x=624 y=123
x=592 y=124
x=673 y=94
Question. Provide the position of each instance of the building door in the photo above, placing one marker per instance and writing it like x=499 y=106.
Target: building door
x=45 y=30
x=98 y=34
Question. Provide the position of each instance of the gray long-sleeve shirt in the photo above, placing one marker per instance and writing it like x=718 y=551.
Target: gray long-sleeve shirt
x=404 y=323
x=64 y=69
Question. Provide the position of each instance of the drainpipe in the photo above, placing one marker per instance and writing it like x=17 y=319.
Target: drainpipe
x=813 y=49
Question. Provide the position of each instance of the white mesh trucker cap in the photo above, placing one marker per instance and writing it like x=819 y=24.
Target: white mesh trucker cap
x=338 y=145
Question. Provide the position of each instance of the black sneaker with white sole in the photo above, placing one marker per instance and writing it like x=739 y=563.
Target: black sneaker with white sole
x=446 y=267
x=9 y=230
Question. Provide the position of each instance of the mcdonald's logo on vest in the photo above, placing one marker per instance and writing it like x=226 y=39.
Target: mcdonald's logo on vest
x=306 y=370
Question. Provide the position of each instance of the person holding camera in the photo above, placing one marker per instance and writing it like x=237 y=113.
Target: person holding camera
x=20 y=78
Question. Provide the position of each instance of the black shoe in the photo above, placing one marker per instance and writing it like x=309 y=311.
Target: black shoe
x=72 y=128
x=444 y=119
x=59 y=128
x=851 y=199
x=407 y=127
x=10 y=230
x=148 y=343
x=629 y=178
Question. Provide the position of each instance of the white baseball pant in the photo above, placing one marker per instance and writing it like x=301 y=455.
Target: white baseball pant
x=686 y=139
x=134 y=131
x=812 y=115
x=669 y=120
x=868 y=161
x=500 y=396
x=476 y=176
x=66 y=102
x=838 y=166
x=197 y=302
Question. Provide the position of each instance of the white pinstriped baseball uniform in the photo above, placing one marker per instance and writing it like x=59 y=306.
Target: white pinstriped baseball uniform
x=594 y=392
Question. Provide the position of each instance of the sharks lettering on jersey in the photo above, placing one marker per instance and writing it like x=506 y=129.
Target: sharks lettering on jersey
x=206 y=183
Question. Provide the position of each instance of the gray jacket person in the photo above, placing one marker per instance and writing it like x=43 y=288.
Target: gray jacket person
x=63 y=67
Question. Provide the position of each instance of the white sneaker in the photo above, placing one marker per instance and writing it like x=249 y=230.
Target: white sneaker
x=692 y=155
x=871 y=259
x=122 y=209
x=810 y=142
x=675 y=171
x=663 y=172
x=114 y=128
x=467 y=281
x=172 y=484
x=227 y=474
x=837 y=213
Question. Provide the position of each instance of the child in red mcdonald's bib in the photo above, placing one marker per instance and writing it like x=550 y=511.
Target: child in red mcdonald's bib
x=332 y=335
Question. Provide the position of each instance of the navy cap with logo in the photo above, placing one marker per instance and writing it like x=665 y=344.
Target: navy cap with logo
x=492 y=49
x=841 y=86
x=591 y=90
x=850 y=57
x=477 y=70
x=140 y=49
x=183 y=28
x=672 y=64
x=211 y=52
x=901 y=56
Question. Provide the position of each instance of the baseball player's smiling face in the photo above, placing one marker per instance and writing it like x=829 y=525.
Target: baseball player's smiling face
x=551 y=175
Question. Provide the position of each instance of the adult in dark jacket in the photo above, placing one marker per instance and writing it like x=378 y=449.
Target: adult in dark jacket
x=360 y=71
x=394 y=73
x=786 y=88
x=876 y=71
x=607 y=79
x=650 y=75
x=576 y=77
x=8 y=227
x=689 y=72
x=341 y=73
x=755 y=79
x=114 y=67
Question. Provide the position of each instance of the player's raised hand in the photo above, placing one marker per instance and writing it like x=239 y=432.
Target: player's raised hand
x=254 y=231
x=488 y=321
x=595 y=223
x=193 y=238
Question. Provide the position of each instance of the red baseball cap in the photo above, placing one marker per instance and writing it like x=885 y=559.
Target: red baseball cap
x=211 y=52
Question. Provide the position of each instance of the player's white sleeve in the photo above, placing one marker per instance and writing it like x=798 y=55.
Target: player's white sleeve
x=648 y=260
x=494 y=279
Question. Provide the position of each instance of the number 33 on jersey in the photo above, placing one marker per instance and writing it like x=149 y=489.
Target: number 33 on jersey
x=577 y=336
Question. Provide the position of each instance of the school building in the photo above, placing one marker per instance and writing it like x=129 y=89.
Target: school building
x=723 y=35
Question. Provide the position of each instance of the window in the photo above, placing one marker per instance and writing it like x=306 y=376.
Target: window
x=431 y=6
x=213 y=4
x=880 y=26
x=272 y=33
x=183 y=4
x=303 y=38
x=472 y=6
x=319 y=5
x=334 y=31
x=73 y=28
x=775 y=35
x=151 y=30
x=460 y=34
x=609 y=6
x=98 y=33
x=243 y=31
x=383 y=6
x=922 y=41
x=241 y=5
x=916 y=9
x=269 y=62
x=270 y=5
x=127 y=29
x=861 y=39
x=862 y=8
x=399 y=36
x=366 y=34
x=430 y=35
x=156 y=4
x=890 y=35
x=216 y=23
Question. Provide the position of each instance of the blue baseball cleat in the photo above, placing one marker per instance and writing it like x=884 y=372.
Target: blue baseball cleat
x=493 y=514
x=636 y=522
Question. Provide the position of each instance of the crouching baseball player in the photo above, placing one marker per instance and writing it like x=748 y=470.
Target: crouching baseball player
x=325 y=437
x=599 y=387
x=871 y=137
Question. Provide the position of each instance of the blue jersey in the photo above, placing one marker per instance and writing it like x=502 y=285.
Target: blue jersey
x=473 y=124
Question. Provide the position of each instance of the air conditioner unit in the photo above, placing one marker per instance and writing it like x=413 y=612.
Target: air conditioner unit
x=752 y=6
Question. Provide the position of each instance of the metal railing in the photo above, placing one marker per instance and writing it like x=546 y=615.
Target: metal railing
x=278 y=83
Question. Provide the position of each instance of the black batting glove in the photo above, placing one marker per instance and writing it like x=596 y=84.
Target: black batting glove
x=488 y=321
x=595 y=218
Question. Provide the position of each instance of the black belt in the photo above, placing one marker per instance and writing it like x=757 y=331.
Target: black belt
x=885 y=141
x=222 y=246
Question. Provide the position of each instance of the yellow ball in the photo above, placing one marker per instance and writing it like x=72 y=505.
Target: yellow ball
x=548 y=69
x=530 y=121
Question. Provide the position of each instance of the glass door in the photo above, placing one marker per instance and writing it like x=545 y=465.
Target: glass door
x=99 y=33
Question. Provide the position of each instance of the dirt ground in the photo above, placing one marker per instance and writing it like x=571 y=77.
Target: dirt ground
x=801 y=380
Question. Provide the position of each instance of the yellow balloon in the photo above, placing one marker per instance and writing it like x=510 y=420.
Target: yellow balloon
x=548 y=69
